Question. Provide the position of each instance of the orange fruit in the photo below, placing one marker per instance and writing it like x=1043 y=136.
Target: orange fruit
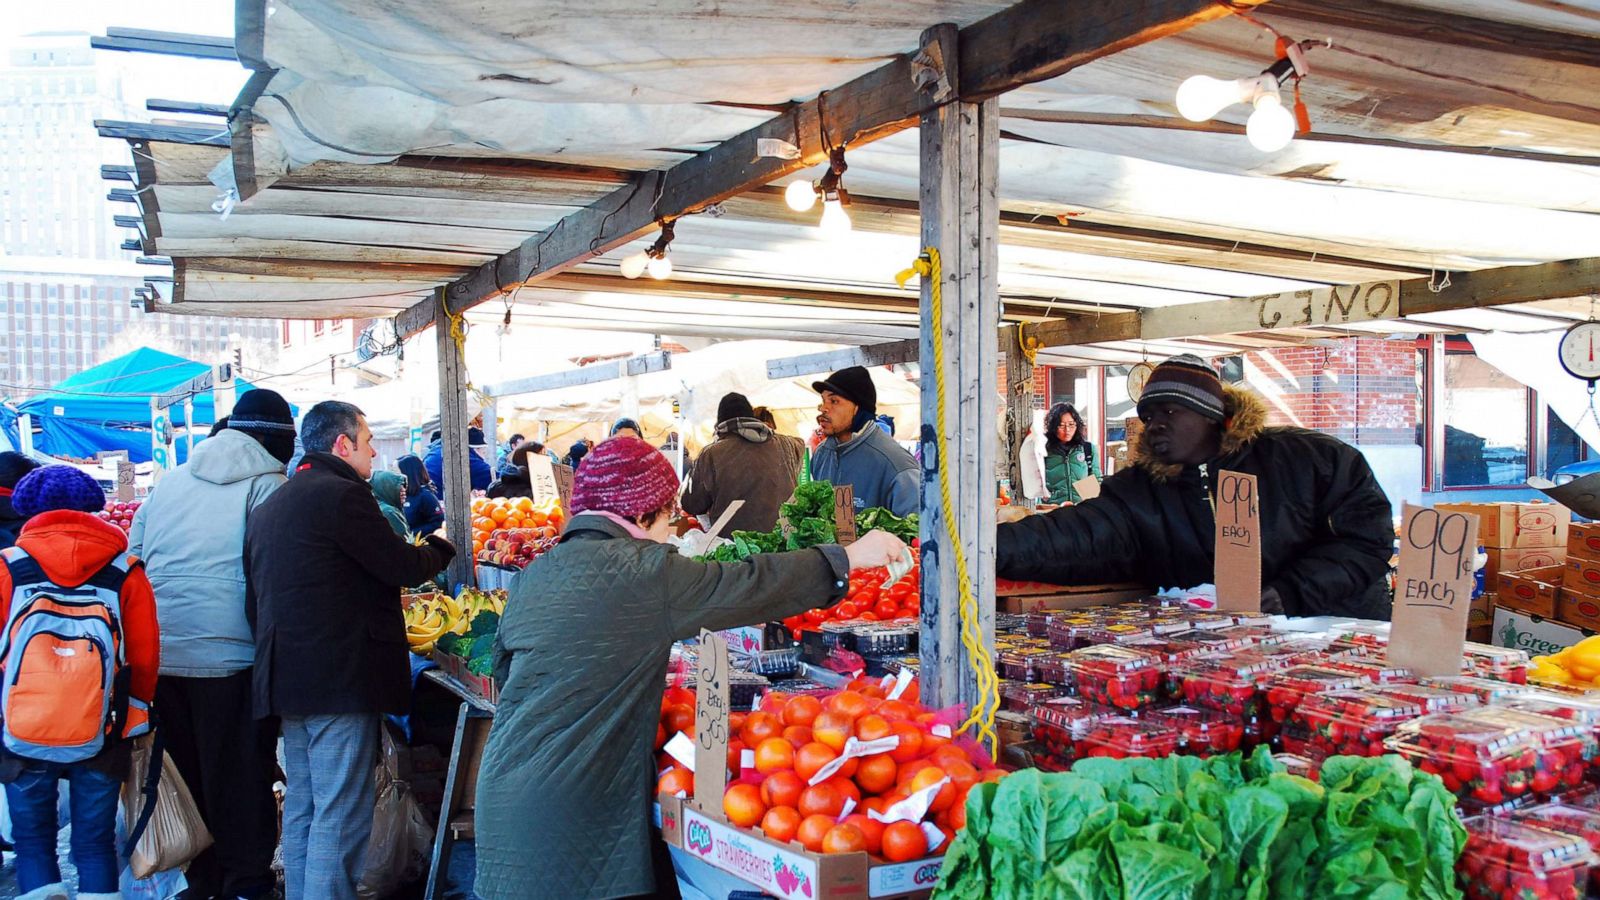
x=832 y=728
x=821 y=799
x=812 y=830
x=782 y=789
x=910 y=770
x=801 y=710
x=872 y=727
x=742 y=805
x=948 y=755
x=776 y=754
x=736 y=723
x=798 y=735
x=896 y=710
x=678 y=718
x=929 y=777
x=810 y=759
x=850 y=703
x=676 y=779
x=910 y=742
x=904 y=842
x=661 y=736
x=498 y=514
x=958 y=812
x=871 y=828
x=845 y=787
x=780 y=823
x=877 y=773
x=736 y=755
x=673 y=696
x=962 y=774
x=758 y=726
x=875 y=804
x=994 y=775
x=844 y=839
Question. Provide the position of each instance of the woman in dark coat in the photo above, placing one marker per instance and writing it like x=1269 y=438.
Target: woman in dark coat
x=564 y=789
x=424 y=512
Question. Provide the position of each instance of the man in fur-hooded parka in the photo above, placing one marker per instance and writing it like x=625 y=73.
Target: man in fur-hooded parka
x=1327 y=531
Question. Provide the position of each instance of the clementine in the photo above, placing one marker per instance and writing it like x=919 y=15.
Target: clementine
x=780 y=823
x=742 y=805
x=776 y=754
x=903 y=842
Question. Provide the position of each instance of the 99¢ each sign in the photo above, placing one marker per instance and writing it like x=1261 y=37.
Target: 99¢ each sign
x=1433 y=590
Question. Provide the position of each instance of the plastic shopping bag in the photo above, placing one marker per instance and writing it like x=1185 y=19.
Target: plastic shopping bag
x=175 y=834
x=402 y=839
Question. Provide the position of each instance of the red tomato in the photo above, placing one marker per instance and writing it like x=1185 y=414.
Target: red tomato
x=886 y=609
x=846 y=610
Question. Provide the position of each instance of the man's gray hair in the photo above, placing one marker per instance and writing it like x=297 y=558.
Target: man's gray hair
x=321 y=427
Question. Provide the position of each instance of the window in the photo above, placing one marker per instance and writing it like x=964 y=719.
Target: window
x=1485 y=422
x=1119 y=406
x=1563 y=447
x=1069 y=386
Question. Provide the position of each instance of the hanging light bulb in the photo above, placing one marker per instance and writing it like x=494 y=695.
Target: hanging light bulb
x=800 y=195
x=660 y=267
x=1271 y=127
x=1200 y=97
x=835 y=220
x=633 y=265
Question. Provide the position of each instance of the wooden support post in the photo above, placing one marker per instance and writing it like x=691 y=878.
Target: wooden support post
x=960 y=218
x=457 y=485
x=1018 y=389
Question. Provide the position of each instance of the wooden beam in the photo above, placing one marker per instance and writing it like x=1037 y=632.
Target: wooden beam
x=1450 y=29
x=659 y=361
x=457 y=471
x=136 y=40
x=1335 y=306
x=127 y=221
x=887 y=354
x=1174 y=123
x=188 y=107
x=122 y=195
x=116 y=173
x=1031 y=41
x=1018 y=390
x=176 y=134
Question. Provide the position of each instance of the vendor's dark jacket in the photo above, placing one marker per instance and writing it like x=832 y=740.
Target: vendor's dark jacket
x=514 y=482
x=746 y=462
x=10 y=522
x=324 y=572
x=1326 y=527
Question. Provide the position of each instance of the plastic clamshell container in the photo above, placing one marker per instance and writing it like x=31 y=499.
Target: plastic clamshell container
x=1120 y=737
x=1229 y=684
x=1568 y=819
x=781 y=662
x=1067 y=632
x=1506 y=858
x=1253 y=620
x=1055 y=667
x=1253 y=633
x=1298 y=765
x=1123 y=633
x=1054 y=726
x=1484 y=756
x=1210 y=640
x=1503 y=663
x=1375 y=670
x=1345 y=723
x=1121 y=677
x=1019 y=697
x=1284 y=691
x=1431 y=698
x=1201 y=732
x=1567 y=748
x=1021 y=665
x=1209 y=621
x=1487 y=689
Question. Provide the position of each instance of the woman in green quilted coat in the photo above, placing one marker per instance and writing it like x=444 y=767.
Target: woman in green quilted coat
x=1068 y=455
x=566 y=783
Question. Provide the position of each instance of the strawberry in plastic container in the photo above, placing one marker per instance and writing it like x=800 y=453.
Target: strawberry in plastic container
x=1566 y=749
x=1345 y=723
x=1506 y=859
x=1485 y=689
x=1499 y=663
x=1229 y=684
x=1120 y=677
x=1576 y=821
x=1432 y=699
x=1054 y=725
x=1584 y=710
x=1123 y=738
x=1201 y=732
x=1483 y=756
x=1286 y=689
x=1374 y=670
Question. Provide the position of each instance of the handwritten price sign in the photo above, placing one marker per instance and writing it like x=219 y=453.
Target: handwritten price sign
x=1238 y=549
x=711 y=723
x=1433 y=590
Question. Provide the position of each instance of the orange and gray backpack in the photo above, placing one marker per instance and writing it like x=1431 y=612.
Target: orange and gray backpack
x=63 y=664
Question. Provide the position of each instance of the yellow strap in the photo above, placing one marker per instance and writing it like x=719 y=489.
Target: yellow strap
x=458 y=334
x=981 y=719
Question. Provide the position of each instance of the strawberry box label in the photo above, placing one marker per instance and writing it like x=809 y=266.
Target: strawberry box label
x=771 y=868
x=903 y=878
x=1539 y=637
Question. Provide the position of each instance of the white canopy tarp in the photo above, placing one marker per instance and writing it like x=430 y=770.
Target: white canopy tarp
x=1531 y=359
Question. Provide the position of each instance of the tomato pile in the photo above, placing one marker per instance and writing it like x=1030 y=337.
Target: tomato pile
x=779 y=751
x=869 y=600
x=1507 y=860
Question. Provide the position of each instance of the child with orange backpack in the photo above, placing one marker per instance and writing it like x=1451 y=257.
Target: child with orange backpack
x=78 y=658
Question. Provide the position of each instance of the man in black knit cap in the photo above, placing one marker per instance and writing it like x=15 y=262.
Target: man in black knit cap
x=746 y=462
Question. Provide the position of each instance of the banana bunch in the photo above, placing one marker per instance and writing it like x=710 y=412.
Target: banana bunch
x=1577 y=666
x=432 y=615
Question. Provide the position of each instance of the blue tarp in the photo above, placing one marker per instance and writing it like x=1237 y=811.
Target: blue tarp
x=107 y=407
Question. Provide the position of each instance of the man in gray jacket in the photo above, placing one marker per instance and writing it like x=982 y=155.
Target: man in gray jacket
x=746 y=462
x=190 y=533
x=859 y=453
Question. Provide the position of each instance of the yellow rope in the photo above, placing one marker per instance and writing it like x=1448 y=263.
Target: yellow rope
x=458 y=334
x=1030 y=346
x=978 y=657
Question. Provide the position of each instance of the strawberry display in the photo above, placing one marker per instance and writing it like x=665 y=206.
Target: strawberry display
x=1287 y=688
x=1507 y=860
x=1021 y=665
x=1374 y=670
x=1577 y=708
x=1500 y=663
x=1055 y=668
x=1119 y=737
x=1068 y=632
x=1229 y=684
x=1432 y=699
x=1574 y=820
x=1019 y=697
x=1056 y=724
x=1486 y=690
x=1202 y=732
x=1123 y=633
x=1345 y=723
x=1481 y=756
x=1566 y=749
x=1298 y=765
x=1121 y=677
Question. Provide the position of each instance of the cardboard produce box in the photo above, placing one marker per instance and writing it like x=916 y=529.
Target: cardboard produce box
x=1516 y=525
x=1579 y=609
x=1534 y=591
x=1583 y=541
x=1581 y=576
x=1099 y=596
x=1481 y=613
x=1512 y=559
x=1540 y=637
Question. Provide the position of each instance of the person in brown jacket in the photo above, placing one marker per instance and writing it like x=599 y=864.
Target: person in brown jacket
x=746 y=462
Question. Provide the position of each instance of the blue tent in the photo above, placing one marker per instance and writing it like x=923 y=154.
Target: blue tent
x=107 y=407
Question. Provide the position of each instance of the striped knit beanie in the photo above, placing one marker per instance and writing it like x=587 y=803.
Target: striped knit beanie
x=1188 y=381
x=626 y=476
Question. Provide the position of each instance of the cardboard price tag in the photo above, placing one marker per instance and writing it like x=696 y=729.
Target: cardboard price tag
x=563 y=475
x=1238 y=549
x=542 y=476
x=1088 y=487
x=711 y=724
x=1432 y=590
x=844 y=514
